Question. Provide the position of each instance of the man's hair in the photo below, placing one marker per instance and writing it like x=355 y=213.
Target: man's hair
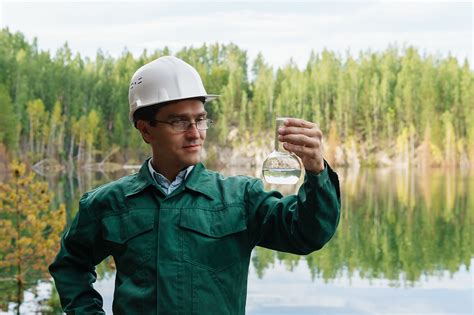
x=147 y=113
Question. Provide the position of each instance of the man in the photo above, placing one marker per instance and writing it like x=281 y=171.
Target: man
x=181 y=236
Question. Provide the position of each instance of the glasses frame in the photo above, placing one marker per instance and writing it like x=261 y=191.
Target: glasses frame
x=175 y=124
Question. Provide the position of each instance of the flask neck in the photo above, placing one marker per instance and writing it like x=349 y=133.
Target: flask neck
x=278 y=145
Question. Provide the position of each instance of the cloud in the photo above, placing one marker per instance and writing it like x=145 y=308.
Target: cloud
x=293 y=292
x=280 y=30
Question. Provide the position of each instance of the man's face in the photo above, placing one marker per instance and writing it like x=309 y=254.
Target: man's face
x=177 y=149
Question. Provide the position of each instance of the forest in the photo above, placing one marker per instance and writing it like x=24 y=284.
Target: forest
x=399 y=107
x=395 y=107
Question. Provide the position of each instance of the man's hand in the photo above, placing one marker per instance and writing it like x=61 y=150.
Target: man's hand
x=304 y=139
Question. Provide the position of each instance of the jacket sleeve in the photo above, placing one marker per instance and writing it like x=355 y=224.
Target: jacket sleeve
x=298 y=224
x=73 y=269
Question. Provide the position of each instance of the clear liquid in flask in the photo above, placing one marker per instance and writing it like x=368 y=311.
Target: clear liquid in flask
x=280 y=166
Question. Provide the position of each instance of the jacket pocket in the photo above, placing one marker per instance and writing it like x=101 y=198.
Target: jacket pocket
x=129 y=236
x=214 y=239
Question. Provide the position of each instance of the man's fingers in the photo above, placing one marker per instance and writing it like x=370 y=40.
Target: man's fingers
x=300 y=139
x=310 y=132
x=296 y=122
x=300 y=126
x=304 y=139
x=299 y=150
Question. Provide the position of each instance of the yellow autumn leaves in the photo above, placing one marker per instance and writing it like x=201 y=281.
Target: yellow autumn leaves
x=30 y=228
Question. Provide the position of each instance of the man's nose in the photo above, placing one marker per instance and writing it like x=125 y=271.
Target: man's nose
x=193 y=132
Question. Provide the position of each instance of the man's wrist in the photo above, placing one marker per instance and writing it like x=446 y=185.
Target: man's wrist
x=318 y=169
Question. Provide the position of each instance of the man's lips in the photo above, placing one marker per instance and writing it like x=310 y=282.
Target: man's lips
x=192 y=146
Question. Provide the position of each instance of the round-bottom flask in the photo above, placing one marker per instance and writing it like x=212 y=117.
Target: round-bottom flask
x=280 y=166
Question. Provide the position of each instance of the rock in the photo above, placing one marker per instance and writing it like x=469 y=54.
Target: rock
x=339 y=157
x=382 y=159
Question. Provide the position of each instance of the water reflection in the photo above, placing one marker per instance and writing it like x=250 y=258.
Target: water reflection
x=397 y=226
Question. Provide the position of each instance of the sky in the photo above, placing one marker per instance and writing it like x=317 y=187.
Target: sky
x=280 y=30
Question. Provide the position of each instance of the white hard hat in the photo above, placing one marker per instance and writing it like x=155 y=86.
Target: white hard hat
x=163 y=80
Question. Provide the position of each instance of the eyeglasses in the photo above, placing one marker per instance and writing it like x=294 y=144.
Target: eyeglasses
x=184 y=125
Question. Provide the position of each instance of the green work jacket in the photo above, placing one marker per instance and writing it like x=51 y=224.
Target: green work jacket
x=187 y=252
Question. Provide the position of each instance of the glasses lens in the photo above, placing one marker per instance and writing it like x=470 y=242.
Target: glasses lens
x=180 y=125
x=184 y=125
x=202 y=124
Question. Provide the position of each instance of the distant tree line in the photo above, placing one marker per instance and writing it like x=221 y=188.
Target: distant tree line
x=395 y=105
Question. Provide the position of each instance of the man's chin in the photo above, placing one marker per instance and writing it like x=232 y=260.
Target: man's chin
x=191 y=159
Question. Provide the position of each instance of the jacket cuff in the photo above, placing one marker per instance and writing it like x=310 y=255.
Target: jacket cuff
x=320 y=178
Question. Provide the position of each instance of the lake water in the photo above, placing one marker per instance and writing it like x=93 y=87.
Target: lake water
x=403 y=246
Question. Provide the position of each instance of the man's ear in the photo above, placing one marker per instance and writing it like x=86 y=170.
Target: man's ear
x=142 y=126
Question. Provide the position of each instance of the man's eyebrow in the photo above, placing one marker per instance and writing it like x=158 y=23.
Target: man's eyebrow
x=186 y=116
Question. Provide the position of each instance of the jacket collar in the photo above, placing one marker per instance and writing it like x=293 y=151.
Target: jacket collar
x=198 y=180
x=142 y=180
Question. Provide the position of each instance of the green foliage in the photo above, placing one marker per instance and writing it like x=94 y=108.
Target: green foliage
x=8 y=121
x=394 y=228
x=372 y=98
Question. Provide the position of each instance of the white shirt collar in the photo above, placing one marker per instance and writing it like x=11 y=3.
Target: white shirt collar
x=164 y=183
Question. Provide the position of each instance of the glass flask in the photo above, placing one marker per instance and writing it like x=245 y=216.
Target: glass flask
x=281 y=166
